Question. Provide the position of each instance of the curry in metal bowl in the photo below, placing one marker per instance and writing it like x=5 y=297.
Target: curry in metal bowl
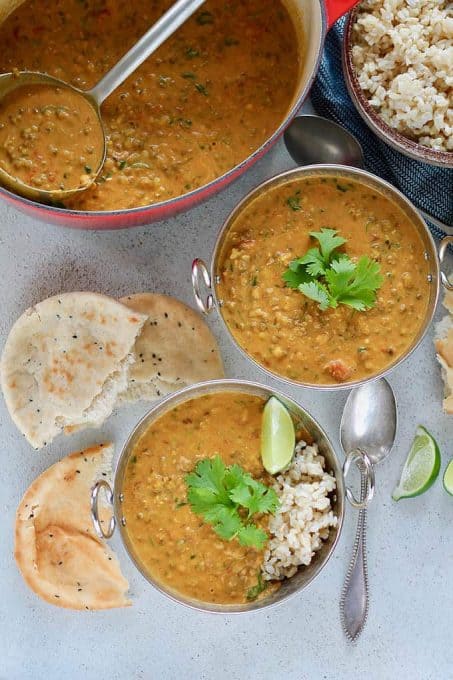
x=324 y=277
x=201 y=516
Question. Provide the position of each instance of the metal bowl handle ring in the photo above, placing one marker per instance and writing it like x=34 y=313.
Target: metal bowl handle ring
x=365 y=466
x=97 y=523
x=446 y=241
x=199 y=268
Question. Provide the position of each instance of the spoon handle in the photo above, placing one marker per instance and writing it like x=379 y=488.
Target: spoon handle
x=354 y=600
x=148 y=43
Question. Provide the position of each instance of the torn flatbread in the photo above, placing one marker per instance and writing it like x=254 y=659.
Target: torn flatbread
x=56 y=548
x=65 y=361
x=175 y=348
x=444 y=349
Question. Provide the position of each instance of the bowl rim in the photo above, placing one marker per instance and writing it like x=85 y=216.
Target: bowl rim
x=375 y=122
x=357 y=173
x=185 y=394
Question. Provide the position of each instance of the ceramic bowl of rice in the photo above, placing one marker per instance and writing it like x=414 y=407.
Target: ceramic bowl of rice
x=397 y=61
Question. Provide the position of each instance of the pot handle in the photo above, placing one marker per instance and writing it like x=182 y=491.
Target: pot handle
x=336 y=8
x=199 y=269
x=446 y=241
x=361 y=459
x=97 y=523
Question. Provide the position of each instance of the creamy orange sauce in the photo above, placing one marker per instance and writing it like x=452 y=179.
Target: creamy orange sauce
x=286 y=332
x=173 y=544
x=208 y=98
x=50 y=137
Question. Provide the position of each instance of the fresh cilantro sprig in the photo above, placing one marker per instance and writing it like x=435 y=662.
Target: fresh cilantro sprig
x=227 y=497
x=329 y=277
x=254 y=591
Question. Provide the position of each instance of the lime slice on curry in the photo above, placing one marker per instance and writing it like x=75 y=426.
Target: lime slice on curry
x=278 y=436
x=448 y=478
x=421 y=468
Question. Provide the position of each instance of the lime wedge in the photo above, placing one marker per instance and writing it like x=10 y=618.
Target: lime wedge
x=448 y=478
x=278 y=436
x=421 y=467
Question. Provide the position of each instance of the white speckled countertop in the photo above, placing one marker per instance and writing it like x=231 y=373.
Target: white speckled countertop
x=410 y=545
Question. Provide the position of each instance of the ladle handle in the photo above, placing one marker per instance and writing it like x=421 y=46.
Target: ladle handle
x=354 y=600
x=157 y=34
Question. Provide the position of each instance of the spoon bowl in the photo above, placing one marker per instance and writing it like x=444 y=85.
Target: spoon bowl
x=312 y=139
x=30 y=83
x=369 y=420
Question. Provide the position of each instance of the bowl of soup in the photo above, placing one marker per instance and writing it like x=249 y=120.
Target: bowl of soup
x=210 y=101
x=193 y=560
x=351 y=333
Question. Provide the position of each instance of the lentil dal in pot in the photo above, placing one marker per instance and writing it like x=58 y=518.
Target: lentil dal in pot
x=206 y=100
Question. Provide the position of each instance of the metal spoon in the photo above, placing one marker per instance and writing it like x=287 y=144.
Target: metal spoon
x=312 y=139
x=148 y=43
x=369 y=424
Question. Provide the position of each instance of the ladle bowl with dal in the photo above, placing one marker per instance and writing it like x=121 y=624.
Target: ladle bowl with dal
x=172 y=547
x=210 y=102
x=285 y=333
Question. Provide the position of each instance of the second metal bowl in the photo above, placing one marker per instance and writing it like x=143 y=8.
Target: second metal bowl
x=208 y=278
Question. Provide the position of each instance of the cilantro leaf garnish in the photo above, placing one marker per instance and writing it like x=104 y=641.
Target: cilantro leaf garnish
x=328 y=242
x=293 y=279
x=227 y=497
x=250 y=495
x=318 y=292
x=329 y=277
x=253 y=536
x=252 y=593
x=293 y=202
x=355 y=285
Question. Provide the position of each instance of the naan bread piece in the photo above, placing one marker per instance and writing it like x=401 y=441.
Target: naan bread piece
x=56 y=548
x=175 y=348
x=444 y=349
x=65 y=361
x=448 y=298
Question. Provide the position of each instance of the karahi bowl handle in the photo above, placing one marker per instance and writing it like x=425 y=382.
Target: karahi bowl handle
x=446 y=241
x=200 y=276
x=97 y=522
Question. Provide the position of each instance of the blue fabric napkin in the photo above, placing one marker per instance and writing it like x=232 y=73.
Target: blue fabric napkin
x=428 y=187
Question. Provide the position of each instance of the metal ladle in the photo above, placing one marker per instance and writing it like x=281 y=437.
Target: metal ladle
x=313 y=139
x=369 y=425
x=148 y=43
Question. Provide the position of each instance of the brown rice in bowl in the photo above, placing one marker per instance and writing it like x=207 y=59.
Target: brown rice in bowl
x=398 y=54
x=305 y=517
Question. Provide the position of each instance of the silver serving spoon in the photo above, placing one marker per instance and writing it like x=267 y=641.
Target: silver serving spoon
x=312 y=139
x=369 y=424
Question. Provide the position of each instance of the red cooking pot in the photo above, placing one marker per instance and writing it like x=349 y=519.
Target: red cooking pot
x=312 y=18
